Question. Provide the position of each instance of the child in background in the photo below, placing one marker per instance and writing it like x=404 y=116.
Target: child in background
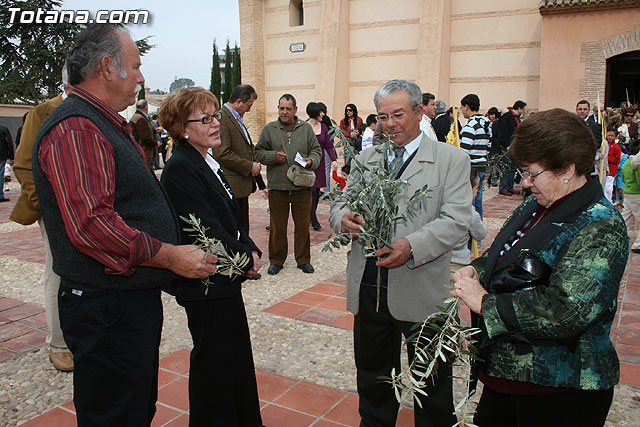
x=619 y=183
x=631 y=210
x=342 y=180
x=614 y=161
x=460 y=254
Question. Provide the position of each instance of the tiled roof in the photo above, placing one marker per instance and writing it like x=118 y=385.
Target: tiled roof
x=567 y=6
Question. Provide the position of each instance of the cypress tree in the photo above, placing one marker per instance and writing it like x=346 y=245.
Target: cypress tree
x=216 y=79
x=237 y=74
x=228 y=78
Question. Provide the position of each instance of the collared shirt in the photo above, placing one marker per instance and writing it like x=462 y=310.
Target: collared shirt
x=408 y=149
x=238 y=117
x=427 y=128
x=78 y=161
x=215 y=167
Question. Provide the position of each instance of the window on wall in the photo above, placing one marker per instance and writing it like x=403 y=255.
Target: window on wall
x=296 y=13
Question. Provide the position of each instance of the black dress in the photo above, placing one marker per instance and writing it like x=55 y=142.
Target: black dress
x=222 y=383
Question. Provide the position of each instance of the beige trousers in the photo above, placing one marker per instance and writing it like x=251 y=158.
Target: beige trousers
x=51 y=286
x=631 y=215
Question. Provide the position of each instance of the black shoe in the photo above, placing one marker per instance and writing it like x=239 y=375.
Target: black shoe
x=3 y=199
x=274 y=269
x=316 y=225
x=268 y=227
x=256 y=276
x=635 y=251
x=306 y=268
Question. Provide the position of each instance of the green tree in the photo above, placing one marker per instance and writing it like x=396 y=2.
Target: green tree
x=236 y=72
x=32 y=55
x=216 y=79
x=228 y=79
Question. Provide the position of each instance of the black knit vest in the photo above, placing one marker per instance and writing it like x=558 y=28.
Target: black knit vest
x=139 y=200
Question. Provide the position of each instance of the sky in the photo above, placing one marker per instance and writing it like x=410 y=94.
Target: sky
x=184 y=33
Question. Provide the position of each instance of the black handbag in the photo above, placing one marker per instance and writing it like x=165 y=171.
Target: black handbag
x=527 y=273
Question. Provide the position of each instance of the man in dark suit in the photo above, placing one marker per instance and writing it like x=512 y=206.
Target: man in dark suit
x=143 y=130
x=506 y=126
x=582 y=110
x=235 y=153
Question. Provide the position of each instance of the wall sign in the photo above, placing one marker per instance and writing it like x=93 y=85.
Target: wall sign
x=297 y=47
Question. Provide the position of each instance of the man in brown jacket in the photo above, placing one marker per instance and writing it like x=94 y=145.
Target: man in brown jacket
x=26 y=212
x=235 y=153
x=143 y=130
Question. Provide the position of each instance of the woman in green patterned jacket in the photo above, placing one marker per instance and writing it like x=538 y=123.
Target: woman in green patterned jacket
x=545 y=294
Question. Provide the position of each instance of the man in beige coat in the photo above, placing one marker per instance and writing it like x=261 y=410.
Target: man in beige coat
x=415 y=273
x=27 y=211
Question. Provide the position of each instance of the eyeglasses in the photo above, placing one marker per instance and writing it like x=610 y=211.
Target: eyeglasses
x=628 y=115
x=528 y=175
x=208 y=118
x=396 y=116
x=348 y=109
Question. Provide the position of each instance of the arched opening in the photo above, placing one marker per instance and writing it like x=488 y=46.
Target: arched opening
x=296 y=13
x=623 y=75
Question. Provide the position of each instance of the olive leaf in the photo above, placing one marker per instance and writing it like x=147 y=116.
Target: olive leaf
x=228 y=265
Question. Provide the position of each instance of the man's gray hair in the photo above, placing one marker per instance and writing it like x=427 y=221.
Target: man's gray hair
x=392 y=86
x=97 y=41
x=141 y=104
x=441 y=106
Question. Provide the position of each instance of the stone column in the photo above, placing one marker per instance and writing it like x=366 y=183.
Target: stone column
x=434 y=48
x=252 y=56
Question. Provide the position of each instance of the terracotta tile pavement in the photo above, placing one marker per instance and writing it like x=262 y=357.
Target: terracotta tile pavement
x=324 y=303
x=23 y=328
x=283 y=401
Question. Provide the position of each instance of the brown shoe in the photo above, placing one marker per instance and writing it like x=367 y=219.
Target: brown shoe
x=62 y=361
x=515 y=192
x=505 y=193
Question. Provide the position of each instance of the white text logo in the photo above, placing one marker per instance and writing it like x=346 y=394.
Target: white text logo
x=42 y=16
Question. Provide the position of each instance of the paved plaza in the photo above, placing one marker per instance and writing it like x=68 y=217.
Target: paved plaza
x=301 y=335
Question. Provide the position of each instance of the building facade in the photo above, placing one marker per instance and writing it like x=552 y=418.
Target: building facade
x=550 y=53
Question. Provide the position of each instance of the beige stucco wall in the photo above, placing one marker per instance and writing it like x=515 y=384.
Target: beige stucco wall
x=502 y=51
x=495 y=52
x=563 y=60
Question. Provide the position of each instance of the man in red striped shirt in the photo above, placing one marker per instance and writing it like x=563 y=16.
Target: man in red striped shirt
x=114 y=235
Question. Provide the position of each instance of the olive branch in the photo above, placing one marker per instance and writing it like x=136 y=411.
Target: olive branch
x=374 y=201
x=440 y=337
x=449 y=340
x=227 y=265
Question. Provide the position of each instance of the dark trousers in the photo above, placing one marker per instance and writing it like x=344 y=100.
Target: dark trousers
x=584 y=408
x=508 y=173
x=114 y=338
x=377 y=345
x=279 y=203
x=315 y=198
x=243 y=213
x=222 y=380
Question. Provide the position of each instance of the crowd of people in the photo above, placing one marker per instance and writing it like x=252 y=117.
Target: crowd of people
x=544 y=294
